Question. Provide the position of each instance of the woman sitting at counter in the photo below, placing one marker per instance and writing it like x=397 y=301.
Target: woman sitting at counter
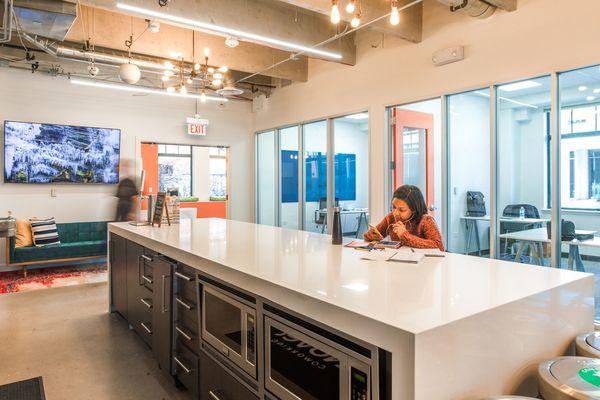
x=408 y=223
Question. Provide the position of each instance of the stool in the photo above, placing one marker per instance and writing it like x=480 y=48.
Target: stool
x=588 y=345
x=570 y=378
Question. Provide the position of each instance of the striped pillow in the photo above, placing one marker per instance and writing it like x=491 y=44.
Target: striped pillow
x=44 y=232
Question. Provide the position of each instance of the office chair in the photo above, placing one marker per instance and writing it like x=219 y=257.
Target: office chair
x=512 y=211
x=321 y=218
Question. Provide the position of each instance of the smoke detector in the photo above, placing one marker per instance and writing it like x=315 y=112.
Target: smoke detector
x=232 y=41
x=229 y=91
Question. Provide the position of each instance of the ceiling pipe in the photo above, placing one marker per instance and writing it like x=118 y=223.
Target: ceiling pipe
x=474 y=8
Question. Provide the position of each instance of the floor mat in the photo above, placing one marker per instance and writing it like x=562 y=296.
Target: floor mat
x=11 y=282
x=30 y=389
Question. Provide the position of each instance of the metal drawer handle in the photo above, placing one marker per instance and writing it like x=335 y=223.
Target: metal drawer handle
x=182 y=365
x=146 y=303
x=183 y=276
x=183 y=303
x=183 y=333
x=144 y=277
x=216 y=395
x=146 y=328
x=147 y=258
x=164 y=303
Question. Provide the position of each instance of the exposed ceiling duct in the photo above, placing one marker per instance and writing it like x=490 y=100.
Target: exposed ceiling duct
x=48 y=18
x=474 y=8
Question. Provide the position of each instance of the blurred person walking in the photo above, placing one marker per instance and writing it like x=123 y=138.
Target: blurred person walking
x=127 y=193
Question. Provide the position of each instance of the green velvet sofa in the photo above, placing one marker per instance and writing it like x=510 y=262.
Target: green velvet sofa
x=78 y=241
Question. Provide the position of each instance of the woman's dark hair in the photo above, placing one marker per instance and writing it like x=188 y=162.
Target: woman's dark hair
x=414 y=199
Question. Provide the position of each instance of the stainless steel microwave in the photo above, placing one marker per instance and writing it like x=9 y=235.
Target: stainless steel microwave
x=229 y=325
x=301 y=365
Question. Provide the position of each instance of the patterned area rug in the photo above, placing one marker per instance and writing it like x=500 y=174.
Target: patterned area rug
x=11 y=282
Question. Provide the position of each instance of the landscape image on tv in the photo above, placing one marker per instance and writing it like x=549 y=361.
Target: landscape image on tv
x=47 y=153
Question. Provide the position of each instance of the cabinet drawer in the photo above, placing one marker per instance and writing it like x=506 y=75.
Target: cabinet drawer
x=186 y=368
x=184 y=287
x=217 y=384
x=186 y=310
x=187 y=336
x=147 y=275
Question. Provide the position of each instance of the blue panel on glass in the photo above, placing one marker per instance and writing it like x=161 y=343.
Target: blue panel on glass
x=316 y=176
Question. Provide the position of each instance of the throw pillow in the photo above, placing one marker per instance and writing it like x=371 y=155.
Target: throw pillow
x=44 y=232
x=23 y=236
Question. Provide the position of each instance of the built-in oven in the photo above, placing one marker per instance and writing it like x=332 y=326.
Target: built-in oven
x=229 y=325
x=302 y=365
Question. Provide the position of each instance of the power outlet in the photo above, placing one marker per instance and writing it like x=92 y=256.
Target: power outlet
x=52 y=192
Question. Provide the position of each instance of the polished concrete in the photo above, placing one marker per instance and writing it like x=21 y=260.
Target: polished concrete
x=82 y=352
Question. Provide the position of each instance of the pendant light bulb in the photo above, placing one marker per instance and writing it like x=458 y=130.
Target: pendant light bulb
x=196 y=67
x=335 y=13
x=171 y=89
x=203 y=97
x=206 y=52
x=395 y=15
x=183 y=90
x=355 y=21
x=350 y=7
x=165 y=78
x=189 y=81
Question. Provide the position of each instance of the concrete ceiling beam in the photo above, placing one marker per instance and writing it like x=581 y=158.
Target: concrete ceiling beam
x=411 y=19
x=268 y=18
x=110 y=30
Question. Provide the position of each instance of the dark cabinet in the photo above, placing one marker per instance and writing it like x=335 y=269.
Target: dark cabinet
x=216 y=383
x=162 y=270
x=118 y=273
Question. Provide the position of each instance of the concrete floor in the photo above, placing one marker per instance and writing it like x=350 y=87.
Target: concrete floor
x=67 y=336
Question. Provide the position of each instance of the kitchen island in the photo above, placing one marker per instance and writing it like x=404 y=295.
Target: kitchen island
x=456 y=327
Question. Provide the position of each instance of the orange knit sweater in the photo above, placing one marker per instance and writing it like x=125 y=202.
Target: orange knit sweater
x=424 y=235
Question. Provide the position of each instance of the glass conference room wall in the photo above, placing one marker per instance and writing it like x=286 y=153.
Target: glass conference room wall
x=332 y=171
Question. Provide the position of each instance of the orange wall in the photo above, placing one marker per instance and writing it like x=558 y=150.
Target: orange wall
x=208 y=209
x=150 y=165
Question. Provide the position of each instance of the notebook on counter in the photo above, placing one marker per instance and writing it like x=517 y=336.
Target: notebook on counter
x=407 y=255
x=431 y=252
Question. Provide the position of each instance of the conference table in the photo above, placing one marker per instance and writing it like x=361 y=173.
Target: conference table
x=535 y=238
x=472 y=229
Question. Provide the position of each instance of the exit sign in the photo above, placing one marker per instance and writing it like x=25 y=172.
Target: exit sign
x=197 y=126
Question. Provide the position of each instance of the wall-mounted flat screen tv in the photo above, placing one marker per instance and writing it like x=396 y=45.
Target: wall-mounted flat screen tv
x=48 y=153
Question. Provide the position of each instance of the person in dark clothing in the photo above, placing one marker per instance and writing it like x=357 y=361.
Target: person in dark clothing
x=127 y=195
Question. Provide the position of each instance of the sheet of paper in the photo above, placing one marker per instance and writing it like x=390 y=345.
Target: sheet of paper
x=407 y=255
x=431 y=252
x=378 y=255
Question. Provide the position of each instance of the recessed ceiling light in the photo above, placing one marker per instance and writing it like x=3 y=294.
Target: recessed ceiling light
x=582 y=88
x=198 y=25
x=512 y=87
x=597 y=90
x=590 y=98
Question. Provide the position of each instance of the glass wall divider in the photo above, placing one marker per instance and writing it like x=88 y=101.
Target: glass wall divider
x=494 y=225
x=330 y=174
x=301 y=177
x=277 y=178
x=555 y=192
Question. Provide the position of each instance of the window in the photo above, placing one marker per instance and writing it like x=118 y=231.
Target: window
x=594 y=174
x=217 y=166
x=175 y=169
x=571 y=174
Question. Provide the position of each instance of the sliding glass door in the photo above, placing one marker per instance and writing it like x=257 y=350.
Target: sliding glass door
x=468 y=136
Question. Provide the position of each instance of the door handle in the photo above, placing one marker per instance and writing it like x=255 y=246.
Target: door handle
x=183 y=333
x=146 y=328
x=182 y=365
x=183 y=276
x=216 y=395
x=184 y=304
x=164 y=290
x=146 y=303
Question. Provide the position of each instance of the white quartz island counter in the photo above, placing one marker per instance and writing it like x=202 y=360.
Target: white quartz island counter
x=458 y=327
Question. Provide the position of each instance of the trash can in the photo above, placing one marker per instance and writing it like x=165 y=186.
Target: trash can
x=588 y=345
x=567 y=378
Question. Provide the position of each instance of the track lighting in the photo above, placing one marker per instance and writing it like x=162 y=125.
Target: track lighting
x=335 y=12
x=350 y=7
x=395 y=14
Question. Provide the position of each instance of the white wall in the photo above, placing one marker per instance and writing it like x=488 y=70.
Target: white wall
x=201 y=174
x=40 y=98
x=503 y=48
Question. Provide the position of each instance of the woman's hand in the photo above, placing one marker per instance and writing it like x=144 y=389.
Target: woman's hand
x=399 y=228
x=372 y=235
